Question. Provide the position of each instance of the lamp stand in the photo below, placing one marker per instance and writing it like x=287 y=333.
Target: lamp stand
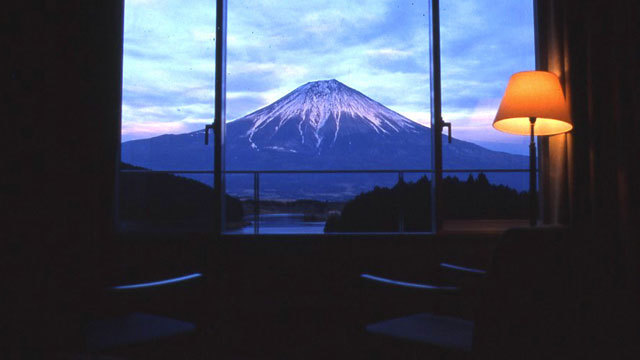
x=533 y=198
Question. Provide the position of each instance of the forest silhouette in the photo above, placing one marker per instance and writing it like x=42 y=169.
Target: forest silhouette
x=150 y=199
x=409 y=204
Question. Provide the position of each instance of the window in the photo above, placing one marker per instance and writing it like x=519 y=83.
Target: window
x=483 y=42
x=328 y=112
x=165 y=181
x=325 y=101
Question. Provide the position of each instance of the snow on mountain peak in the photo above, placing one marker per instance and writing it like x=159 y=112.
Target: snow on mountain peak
x=318 y=102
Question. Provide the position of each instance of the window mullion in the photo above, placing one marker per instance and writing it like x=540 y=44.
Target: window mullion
x=220 y=113
x=436 y=117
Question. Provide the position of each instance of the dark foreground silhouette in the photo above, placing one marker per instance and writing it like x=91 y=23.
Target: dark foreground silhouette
x=159 y=199
x=409 y=204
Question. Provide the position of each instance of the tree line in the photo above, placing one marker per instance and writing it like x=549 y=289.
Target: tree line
x=409 y=204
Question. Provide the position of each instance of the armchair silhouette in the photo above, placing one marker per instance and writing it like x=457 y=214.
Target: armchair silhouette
x=521 y=304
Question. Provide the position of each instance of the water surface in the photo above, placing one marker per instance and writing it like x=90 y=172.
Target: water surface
x=281 y=224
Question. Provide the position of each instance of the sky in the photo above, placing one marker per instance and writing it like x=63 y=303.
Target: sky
x=378 y=47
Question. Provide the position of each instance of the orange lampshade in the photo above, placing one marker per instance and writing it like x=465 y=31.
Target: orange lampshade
x=533 y=94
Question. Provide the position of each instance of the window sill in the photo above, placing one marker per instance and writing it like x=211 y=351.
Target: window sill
x=485 y=227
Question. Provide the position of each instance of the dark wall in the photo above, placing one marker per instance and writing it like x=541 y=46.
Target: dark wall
x=61 y=110
x=604 y=56
x=59 y=249
x=61 y=105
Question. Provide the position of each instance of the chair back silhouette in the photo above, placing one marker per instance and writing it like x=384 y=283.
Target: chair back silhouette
x=521 y=307
x=524 y=307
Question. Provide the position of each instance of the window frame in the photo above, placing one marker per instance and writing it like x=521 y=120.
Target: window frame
x=219 y=125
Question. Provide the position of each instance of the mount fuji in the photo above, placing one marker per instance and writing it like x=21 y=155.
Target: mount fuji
x=321 y=125
x=326 y=125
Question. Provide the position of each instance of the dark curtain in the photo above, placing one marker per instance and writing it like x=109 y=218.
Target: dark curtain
x=554 y=151
x=590 y=178
x=60 y=120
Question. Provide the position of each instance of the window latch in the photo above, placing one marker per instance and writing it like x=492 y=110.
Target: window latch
x=206 y=133
x=448 y=126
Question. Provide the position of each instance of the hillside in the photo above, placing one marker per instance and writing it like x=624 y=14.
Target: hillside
x=321 y=125
x=165 y=200
x=380 y=209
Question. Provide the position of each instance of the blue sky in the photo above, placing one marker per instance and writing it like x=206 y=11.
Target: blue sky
x=378 y=47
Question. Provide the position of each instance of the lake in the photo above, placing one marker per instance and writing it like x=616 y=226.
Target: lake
x=282 y=224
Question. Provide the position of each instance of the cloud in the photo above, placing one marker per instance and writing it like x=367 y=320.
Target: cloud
x=203 y=35
x=378 y=47
x=144 y=129
x=389 y=53
x=421 y=117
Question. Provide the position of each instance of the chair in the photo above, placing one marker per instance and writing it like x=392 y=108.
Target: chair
x=135 y=315
x=521 y=303
x=443 y=332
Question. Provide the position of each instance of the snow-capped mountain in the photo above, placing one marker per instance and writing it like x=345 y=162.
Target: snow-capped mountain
x=321 y=125
x=326 y=125
x=313 y=118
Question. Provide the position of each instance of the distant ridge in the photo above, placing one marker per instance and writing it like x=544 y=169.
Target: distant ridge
x=321 y=125
x=320 y=112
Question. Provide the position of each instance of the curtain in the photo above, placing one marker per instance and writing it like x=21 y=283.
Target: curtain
x=554 y=151
x=590 y=178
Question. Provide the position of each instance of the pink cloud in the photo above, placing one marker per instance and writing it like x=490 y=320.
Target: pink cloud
x=147 y=129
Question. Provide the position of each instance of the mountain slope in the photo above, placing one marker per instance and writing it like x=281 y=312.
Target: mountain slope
x=159 y=200
x=326 y=125
x=321 y=125
x=320 y=116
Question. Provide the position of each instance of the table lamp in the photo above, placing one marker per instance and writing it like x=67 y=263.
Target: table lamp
x=533 y=104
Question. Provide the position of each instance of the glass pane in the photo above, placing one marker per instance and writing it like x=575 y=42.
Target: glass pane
x=171 y=201
x=347 y=202
x=240 y=187
x=398 y=203
x=152 y=200
x=317 y=85
x=167 y=89
x=483 y=42
x=499 y=200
